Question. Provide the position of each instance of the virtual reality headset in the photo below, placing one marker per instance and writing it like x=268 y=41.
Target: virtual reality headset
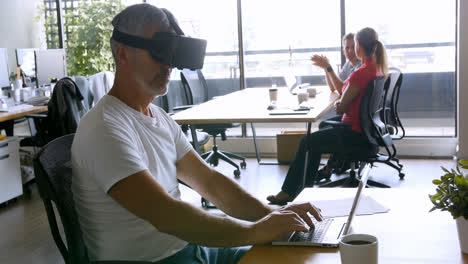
x=170 y=48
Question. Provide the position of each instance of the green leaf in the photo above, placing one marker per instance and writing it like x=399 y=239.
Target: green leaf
x=463 y=162
x=437 y=182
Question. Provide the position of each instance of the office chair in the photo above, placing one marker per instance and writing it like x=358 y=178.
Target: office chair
x=389 y=115
x=52 y=167
x=375 y=131
x=196 y=91
x=197 y=138
x=390 y=111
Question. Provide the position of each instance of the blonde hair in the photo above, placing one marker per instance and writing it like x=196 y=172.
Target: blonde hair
x=370 y=43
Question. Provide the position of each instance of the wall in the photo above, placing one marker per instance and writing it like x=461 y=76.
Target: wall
x=18 y=28
x=462 y=79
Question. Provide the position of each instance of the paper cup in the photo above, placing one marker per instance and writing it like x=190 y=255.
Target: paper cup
x=312 y=92
x=273 y=92
x=302 y=97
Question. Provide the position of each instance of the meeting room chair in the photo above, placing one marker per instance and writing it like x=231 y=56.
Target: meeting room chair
x=374 y=130
x=197 y=139
x=390 y=117
x=52 y=167
x=196 y=90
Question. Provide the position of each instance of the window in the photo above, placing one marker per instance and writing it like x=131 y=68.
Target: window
x=424 y=50
x=279 y=39
x=198 y=19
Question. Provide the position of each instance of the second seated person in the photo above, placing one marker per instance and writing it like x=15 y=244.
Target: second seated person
x=335 y=82
x=374 y=63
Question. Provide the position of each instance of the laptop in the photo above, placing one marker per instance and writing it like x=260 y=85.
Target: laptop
x=294 y=83
x=328 y=232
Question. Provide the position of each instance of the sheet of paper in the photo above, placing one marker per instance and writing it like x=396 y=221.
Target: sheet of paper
x=341 y=207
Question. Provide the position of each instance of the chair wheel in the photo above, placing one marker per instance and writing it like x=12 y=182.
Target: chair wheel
x=214 y=162
x=207 y=204
x=243 y=165
x=402 y=175
x=237 y=173
x=27 y=194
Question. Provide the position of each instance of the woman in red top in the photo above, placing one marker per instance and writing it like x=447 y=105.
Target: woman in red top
x=374 y=63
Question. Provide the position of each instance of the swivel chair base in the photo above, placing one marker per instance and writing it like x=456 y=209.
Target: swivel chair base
x=352 y=181
x=212 y=157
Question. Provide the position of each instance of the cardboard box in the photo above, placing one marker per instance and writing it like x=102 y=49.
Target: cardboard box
x=287 y=143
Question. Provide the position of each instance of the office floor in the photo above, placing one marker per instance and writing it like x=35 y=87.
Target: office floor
x=26 y=236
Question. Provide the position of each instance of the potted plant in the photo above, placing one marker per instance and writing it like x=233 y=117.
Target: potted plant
x=452 y=195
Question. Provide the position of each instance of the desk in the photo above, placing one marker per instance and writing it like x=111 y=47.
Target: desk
x=5 y=116
x=250 y=106
x=407 y=234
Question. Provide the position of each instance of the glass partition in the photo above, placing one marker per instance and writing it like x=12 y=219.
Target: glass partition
x=422 y=46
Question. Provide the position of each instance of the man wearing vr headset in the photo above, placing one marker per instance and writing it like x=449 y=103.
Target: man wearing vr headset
x=128 y=154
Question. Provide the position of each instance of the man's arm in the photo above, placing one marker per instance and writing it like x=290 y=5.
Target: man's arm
x=143 y=196
x=222 y=191
x=333 y=81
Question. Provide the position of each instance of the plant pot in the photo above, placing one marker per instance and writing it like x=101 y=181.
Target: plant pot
x=462 y=227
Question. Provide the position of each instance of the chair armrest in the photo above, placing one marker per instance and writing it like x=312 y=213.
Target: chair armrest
x=337 y=124
x=36 y=116
x=181 y=107
x=121 y=262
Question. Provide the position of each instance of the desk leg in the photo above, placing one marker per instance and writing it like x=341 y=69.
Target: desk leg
x=254 y=135
x=194 y=139
x=259 y=160
x=306 y=162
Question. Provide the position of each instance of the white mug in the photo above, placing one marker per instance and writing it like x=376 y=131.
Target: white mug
x=359 y=249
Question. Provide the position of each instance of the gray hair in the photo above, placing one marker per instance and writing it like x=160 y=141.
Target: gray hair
x=349 y=36
x=137 y=19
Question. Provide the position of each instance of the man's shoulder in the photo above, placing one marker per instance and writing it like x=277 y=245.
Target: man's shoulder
x=101 y=119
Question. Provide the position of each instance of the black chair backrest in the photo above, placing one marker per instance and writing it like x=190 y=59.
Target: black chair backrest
x=195 y=86
x=53 y=170
x=162 y=102
x=369 y=115
x=391 y=104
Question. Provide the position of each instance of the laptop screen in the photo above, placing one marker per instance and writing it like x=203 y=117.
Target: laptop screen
x=362 y=185
x=290 y=80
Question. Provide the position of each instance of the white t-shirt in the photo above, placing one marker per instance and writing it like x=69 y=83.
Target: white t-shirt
x=112 y=142
x=347 y=69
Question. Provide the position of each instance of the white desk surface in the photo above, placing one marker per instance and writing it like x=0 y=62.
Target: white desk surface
x=408 y=233
x=250 y=106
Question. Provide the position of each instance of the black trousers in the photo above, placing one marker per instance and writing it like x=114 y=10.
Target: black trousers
x=325 y=140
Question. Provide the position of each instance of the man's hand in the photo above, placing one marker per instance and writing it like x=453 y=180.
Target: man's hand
x=303 y=208
x=290 y=218
x=273 y=225
x=320 y=61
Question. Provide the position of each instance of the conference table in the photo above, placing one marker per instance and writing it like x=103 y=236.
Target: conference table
x=408 y=233
x=250 y=106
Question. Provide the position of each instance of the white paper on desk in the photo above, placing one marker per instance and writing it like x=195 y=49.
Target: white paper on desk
x=341 y=207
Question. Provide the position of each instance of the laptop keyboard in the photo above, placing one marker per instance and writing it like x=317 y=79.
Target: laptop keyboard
x=316 y=234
